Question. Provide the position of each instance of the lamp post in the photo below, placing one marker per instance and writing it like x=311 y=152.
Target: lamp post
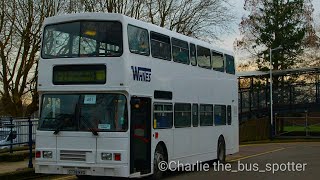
x=271 y=98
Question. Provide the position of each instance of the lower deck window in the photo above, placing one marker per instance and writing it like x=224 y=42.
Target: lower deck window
x=206 y=115
x=182 y=115
x=229 y=117
x=195 y=117
x=220 y=115
x=162 y=115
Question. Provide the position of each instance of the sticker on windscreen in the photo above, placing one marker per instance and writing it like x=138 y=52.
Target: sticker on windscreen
x=90 y=99
x=104 y=126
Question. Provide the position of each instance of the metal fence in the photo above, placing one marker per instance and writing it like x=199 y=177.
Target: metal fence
x=255 y=101
x=15 y=132
x=306 y=125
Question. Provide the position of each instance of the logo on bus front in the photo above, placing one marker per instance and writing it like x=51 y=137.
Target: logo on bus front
x=141 y=73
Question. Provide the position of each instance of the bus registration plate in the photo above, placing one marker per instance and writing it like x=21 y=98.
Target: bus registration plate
x=76 y=172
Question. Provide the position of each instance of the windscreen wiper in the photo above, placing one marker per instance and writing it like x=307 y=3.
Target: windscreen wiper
x=94 y=131
x=60 y=123
x=57 y=131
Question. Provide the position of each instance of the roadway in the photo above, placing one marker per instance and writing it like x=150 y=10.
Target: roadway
x=283 y=161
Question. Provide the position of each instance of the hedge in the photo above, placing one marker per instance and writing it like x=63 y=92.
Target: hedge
x=15 y=156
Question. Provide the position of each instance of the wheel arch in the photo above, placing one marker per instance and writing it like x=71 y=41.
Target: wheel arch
x=164 y=148
x=221 y=138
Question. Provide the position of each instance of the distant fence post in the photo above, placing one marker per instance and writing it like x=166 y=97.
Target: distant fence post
x=30 y=165
x=276 y=124
x=11 y=134
x=306 y=122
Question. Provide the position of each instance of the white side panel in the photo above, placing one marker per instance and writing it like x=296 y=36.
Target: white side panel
x=195 y=136
x=182 y=142
x=166 y=136
x=207 y=139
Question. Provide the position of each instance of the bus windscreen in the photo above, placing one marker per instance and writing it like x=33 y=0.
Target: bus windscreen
x=83 y=112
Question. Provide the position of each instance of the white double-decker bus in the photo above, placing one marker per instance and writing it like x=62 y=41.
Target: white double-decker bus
x=118 y=96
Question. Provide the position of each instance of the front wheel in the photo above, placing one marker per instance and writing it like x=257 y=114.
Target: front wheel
x=221 y=156
x=82 y=177
x=158 y=158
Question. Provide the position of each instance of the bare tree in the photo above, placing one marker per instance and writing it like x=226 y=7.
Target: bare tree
x=20 y=28
x=128 y=7
x=197 y=18
x=204 y=19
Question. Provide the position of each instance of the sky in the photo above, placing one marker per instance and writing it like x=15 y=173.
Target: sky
x=239 y=12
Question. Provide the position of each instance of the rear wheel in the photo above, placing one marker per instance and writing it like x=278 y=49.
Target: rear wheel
x=158 y=158
x=221 y=156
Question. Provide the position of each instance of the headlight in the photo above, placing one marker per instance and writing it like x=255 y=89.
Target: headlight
x=47 y=154
x=106 y=156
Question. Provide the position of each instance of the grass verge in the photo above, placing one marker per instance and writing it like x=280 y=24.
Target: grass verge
x=280 y=141
x=24 y=174
x=15 y=156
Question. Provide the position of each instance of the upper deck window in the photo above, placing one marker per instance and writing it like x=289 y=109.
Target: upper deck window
x=230 y=68
x=180 y=51
x=82 y=39
x=217 y=61
x=160 y=46
x=204 y=57
x=193 y=55
x=138 y=39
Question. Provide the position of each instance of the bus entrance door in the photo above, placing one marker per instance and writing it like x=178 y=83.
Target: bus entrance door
x=140 y=135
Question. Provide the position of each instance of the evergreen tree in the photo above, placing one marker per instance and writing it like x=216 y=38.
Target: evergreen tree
x=274 y=23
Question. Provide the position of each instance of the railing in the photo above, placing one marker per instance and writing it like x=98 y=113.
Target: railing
x=299 y=125
x=18 y=132
x=255 y=101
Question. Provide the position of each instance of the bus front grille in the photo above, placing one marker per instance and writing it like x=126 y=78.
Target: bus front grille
x=70 y=155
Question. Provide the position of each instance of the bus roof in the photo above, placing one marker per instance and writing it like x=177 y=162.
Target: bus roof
x=129 y=20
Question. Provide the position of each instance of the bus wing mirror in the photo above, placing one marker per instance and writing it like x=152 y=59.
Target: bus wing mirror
x=134 y=101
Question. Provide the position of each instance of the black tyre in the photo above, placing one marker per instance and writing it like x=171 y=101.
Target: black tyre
x=221 y=155
x=86 y=177
x=159 y=156
x=82 y=177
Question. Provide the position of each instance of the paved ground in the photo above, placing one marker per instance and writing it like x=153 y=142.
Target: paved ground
x=270 y=164
x=13 y=166
x=283 y=161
